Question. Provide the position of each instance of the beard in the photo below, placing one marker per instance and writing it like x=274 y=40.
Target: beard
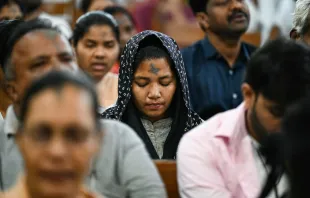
x=258 y=128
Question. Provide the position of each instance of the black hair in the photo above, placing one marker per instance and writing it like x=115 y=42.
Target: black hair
x=30 y=6
x=151 y=48
x=85 y=5
x=120 y=10
x=280 y=71
x=6 y=29
x=93 y=18
x=57 y=80
x=21 y=30
x=198 y=5
x=290 y=150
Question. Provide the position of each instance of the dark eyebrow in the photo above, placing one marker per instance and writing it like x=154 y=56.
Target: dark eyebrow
x=164 y=77
x=90 y=40
x=141 y=78
x=65 y=54
x=39 y=58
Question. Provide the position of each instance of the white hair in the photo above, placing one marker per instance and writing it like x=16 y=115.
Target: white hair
x=301 y=15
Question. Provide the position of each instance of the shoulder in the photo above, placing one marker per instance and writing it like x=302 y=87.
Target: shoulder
x=191 y=49
x=250 y=47
x=117 y=131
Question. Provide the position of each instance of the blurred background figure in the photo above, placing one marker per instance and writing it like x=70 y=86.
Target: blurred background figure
x=96 y=40
x=171 y=17
x=10 y=9
x=126 y=23
x=57 y=144
x=301 y=22
x=215 y=65
x=6 y=28
x=34 y=9
x=269 y=14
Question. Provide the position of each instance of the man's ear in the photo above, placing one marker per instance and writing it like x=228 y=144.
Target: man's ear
x=203 y=20
x=294 y=34
x=10 y=87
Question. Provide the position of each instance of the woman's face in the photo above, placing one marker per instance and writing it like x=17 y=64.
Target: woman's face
x=126 y=27
x=58 y=141
x=10 y=12
x=153 y=88
x=97 y=51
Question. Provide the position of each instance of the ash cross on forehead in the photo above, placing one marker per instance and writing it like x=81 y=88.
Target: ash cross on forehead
x=153 y=69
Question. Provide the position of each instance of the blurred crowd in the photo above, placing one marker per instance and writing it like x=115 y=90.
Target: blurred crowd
x=96 y=104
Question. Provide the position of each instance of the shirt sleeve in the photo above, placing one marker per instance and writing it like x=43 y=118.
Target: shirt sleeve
x=198 y=176
x=139 y=172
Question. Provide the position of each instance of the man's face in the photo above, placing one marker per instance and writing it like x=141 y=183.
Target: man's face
x=263 y=115
x=58 y=141
x=10 y=11
x=35 y=54
x=225 y=17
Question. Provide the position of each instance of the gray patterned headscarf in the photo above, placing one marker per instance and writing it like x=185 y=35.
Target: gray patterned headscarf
x=126 y=76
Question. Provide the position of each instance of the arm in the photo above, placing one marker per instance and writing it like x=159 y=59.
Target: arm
x=198 y=176
x=139 y=172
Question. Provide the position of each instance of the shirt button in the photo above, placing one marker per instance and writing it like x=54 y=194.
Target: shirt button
x=231 y=72
x=235 y=96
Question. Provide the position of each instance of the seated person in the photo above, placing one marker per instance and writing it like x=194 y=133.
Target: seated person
x=127 y=27
x=34 y=9
x=153 y=93
x=57 y=144
x=220 y=158
x=126 y=23
x=10 y=9
x=96 y=40
x=301 y=22
x=116 y=172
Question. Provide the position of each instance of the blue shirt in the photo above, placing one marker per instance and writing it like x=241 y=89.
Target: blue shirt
x=214 y=86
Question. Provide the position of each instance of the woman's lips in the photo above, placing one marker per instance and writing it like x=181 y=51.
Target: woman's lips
x=154 y=106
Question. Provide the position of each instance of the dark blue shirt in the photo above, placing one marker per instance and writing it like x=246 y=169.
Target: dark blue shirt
x=214 y=86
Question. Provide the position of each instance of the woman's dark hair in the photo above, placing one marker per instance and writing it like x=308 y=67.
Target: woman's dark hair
x=120 y=10
x=151 y=48
x=93 y=18
x=6 y=29
x=85 y=5
x=57 y=80
x=289 y=151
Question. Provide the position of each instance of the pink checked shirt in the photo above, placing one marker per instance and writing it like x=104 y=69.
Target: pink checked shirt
x=215 y=160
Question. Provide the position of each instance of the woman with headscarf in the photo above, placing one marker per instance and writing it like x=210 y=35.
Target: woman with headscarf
x=153 y=96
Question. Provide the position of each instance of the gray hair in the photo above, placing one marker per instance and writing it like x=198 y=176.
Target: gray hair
x=301 y=16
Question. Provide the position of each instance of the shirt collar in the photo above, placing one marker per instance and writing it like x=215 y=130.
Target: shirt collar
x=233 y=124
x=11 y=122
x=210 y=51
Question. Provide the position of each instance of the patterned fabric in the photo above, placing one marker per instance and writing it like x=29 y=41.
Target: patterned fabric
x=126 y=76
x=158 y=133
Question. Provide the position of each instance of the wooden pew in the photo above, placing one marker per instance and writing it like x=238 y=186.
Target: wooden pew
x=168 y=172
